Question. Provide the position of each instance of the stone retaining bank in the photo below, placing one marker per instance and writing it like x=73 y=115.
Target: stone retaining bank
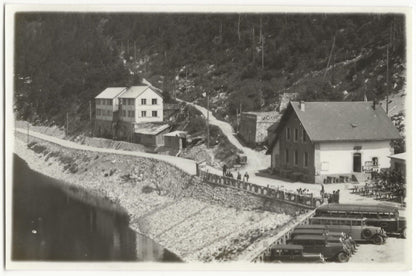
x=194 y=220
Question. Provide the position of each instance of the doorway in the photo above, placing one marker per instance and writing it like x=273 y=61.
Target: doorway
x=357 y=162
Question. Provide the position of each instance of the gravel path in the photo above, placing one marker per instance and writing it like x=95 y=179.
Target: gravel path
x=256 y=160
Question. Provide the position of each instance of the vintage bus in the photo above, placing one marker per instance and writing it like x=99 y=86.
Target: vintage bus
x=356 y=228
x=386 y=217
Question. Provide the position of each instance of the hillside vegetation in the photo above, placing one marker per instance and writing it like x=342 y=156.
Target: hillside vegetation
x=248 y=60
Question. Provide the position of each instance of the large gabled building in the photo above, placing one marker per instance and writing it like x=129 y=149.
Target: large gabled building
x=119 y=109
x=106 y=111
x=323 y=142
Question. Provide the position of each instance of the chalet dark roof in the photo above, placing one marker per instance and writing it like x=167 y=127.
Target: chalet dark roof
x=341 y=121
x=345 y=121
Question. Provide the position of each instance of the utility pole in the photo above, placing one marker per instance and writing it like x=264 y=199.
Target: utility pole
x=262 y=52
x=387 y=80
x=330 y=55
x=333 y=70
x=66 y=131
x=90 y=118
x=207 y=120
x=27 y=137
x=135 y=51
x=238 y=27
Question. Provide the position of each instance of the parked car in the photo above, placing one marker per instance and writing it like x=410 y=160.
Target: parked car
x=241 y=159
x=386 y=217
x=330 y=249
x=354 y=227
x=291 y=253
x=337 y=235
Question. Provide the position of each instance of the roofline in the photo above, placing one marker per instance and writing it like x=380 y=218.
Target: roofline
x=122 y=91
x=147 y=87
x=121 y=96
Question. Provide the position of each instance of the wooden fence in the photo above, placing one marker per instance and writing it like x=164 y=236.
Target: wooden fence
x=301 y=200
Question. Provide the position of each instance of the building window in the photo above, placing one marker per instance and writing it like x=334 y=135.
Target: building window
x=287 y=155
x=123 y=113
x=305 y=159
x=154 y=101
x=304 y=136
x=375 y=161
x=143 y=112
x=143 y=101
x=123 y=101
x=98 y=111
x=154 y=113
x=296 y=134
x=295 y=157
x=287 y=133
x=131 y=101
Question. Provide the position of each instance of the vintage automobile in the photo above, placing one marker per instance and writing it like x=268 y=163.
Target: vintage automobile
x=354 y=227
x=241 y=159
x=329 y=248
x=291 y=253
x=351 y=244
x=386 y=217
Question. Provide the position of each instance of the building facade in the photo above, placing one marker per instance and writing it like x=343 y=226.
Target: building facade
x=320 y=141
x=253 y=126
x=106 y=111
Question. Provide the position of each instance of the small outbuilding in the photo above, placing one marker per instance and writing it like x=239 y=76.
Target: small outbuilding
x=175 y=140
x=253 y=126
x=150 y=134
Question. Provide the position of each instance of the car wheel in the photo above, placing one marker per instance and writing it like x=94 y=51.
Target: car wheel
x=342 y=257
x=377 y=239
x=366 y=234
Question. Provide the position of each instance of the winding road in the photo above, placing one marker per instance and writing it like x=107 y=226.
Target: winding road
x=256 y=160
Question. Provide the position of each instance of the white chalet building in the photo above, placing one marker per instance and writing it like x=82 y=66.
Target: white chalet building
x=120 y=110
x=326 y=142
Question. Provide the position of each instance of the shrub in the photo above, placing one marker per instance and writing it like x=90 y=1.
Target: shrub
x=147 y=189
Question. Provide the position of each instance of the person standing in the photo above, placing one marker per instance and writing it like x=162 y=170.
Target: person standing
x=224 y=170
x=238 y=176
x=246 y=176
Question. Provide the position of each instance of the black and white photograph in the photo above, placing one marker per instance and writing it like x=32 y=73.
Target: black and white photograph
x=269 y=137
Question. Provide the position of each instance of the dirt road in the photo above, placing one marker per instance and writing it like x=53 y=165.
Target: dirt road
x=256 y=160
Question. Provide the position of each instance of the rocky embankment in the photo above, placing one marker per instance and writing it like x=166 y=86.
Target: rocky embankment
x=196 y=221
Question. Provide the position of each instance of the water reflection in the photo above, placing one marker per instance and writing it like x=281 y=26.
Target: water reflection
x=50 y=225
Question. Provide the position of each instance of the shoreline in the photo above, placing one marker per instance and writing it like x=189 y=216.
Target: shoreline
x=207 y=220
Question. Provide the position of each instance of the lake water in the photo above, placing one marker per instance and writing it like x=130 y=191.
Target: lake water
x=50 y=225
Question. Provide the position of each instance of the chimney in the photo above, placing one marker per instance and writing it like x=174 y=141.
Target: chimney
x=302 y=106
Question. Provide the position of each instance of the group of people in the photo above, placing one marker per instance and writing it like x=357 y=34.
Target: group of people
x=226 y=172
x=334 y=197
x=303 y=191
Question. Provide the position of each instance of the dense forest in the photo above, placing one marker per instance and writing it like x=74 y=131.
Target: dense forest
x=63 y=60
